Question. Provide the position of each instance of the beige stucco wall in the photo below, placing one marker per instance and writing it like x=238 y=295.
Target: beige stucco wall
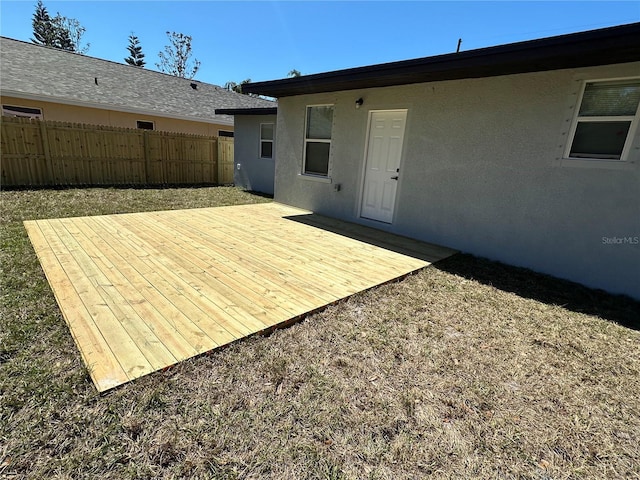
x=94 y=116
x=482 y=172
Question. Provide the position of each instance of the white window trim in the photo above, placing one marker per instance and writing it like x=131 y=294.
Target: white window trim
x=624 y=156
x=10 y=113
x=266 y=139
x=315 y=176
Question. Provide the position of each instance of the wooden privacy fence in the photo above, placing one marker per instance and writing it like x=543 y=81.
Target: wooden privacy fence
x=41 y=153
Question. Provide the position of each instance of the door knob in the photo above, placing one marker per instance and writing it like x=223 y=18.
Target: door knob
x=394 y=178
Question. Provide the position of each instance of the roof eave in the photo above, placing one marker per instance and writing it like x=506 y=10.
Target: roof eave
x=597 y=47
x=247 y=111
x=117 y=108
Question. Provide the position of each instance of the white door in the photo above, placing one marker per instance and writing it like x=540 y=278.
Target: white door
x=382 y=164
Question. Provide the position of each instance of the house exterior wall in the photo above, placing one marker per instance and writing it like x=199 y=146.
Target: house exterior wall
x=95 y=116
x=482 y=172
x=252 y=172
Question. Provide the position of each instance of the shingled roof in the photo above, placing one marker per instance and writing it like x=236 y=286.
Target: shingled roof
x=42 y=73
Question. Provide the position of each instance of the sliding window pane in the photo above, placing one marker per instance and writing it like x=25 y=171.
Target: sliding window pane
x=319 y=122
x=317 y=158
x=599 y=140
x=610 y=100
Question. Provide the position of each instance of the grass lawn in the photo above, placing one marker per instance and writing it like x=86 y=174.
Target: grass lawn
x=467 y=369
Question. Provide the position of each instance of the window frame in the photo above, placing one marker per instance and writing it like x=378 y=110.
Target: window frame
x=15 y=113
x=152 y=123
x=266 y=140
x=577 y=119
x=317 y=140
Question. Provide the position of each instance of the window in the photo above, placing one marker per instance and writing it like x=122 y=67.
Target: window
x=225 y=133
x=266 y=140
x=604 y=124
x=317 y=140
x=144 y=125
x=24 y=112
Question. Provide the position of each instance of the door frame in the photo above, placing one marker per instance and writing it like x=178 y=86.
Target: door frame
x=363 y=168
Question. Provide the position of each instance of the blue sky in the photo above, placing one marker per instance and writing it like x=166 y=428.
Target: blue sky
x=265 y=40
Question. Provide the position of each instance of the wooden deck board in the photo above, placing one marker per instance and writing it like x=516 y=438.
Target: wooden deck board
x=205 y=315
x=170 y=326
x=233 y=291
x=103 y=366
x=143 y=291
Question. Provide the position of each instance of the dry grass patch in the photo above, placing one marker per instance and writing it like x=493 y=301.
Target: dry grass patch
x=469 y=369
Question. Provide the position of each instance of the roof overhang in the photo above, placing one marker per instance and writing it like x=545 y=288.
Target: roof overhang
x=247 y=111
x=605 y=46
x=117 y=108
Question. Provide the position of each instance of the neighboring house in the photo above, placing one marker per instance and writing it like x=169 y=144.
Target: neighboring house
x=526 y=153
x=43 y=82
x=254 y=152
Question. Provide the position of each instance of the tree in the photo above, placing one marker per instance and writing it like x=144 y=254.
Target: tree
x=44 y=32
x=63 y=37
x=136 y=57
x=71 y=32
x=57 y=32
x=232 y=87
x=175 y=60
x=294 y=73
x=236 y=87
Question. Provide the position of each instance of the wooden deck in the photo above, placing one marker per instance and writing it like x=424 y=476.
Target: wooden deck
x=144 y=291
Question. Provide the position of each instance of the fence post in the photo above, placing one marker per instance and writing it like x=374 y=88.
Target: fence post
x=46 y=150
x=147 y=155
x=217 y=160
